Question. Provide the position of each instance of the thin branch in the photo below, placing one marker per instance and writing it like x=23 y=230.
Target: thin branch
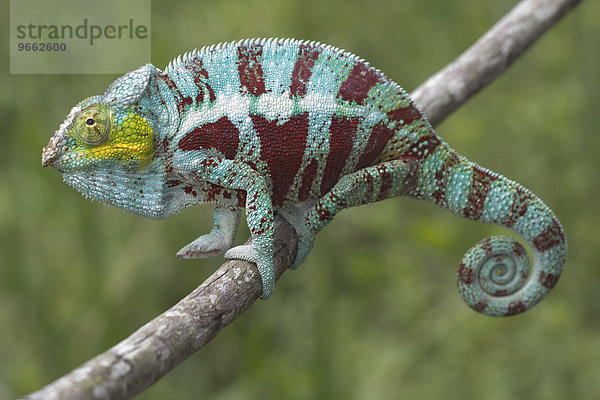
x=157 y=347
x=153 y=350
x=489 y=57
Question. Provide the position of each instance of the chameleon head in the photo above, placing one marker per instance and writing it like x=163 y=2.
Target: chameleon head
x=101 y=134
x=105 y=148
x=110 y=130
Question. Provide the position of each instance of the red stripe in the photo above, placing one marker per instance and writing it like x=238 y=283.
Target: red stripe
x=550 y=237
x=386 y=182
x=369 y=183
x=200 y=76
x=548 y=280
x=341 y=138
x=405 y=114
x=186 y=101
x=308 y=177
x=282 y=148
x=250 y=68
x=307 y=56
x=515 y=307
x=380 y=135
x=465 y=274
x=168 y=155
x=480 y=187
x=176 y=93
x=518 y=208
x=358 y=83
x=221 y=135
x=441 y=178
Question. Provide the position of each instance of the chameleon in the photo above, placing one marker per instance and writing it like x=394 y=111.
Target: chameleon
x=304 y=130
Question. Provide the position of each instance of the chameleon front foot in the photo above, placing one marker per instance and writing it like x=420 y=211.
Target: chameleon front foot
x=220 y=238
x=265 y=266
x=211 y=244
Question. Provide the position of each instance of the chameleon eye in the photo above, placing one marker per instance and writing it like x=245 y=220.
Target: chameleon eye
x=93 y=125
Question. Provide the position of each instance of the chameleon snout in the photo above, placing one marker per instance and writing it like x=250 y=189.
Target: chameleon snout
x=50 y=152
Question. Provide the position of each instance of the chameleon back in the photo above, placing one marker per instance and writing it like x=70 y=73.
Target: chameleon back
x=262 y=101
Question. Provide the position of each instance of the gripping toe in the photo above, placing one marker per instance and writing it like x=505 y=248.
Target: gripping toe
x=205 y=246
x=244 y=252
x=265 y=266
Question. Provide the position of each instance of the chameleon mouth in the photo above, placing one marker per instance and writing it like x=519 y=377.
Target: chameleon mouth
x=57 y=164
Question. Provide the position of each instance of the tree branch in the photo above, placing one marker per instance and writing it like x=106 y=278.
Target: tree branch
x=157 y=347
x=489 y=57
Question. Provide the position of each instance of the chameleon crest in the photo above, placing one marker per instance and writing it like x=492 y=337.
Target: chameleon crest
x=305 y=130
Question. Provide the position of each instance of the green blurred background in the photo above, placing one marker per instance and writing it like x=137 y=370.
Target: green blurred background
x=374 y=312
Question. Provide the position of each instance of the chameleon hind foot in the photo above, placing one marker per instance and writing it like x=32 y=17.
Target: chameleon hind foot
x=243 y=252
x=265 y=266
x=296 y=216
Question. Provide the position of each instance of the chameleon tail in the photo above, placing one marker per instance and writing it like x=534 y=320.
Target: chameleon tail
x=494 y=276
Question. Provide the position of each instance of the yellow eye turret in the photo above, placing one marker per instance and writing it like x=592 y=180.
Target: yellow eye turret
x=93 y=125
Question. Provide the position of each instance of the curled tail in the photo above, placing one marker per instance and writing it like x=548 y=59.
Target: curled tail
x=494 y=277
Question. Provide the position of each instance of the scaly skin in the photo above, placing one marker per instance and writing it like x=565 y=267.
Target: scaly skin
x=305 y=130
